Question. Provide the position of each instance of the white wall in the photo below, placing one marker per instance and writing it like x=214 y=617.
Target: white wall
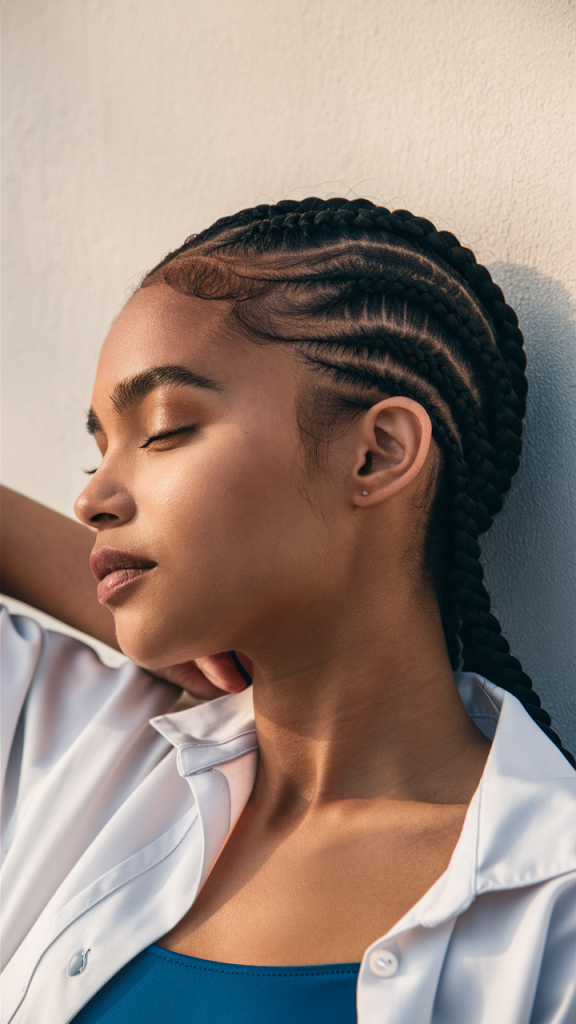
x=131 y=123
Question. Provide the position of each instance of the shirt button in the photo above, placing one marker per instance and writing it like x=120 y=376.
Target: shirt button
x=383 y=963
x=78 y=962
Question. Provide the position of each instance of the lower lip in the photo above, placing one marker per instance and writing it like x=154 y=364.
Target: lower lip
x=118 y=580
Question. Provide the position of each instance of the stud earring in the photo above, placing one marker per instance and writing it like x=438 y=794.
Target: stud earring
x=364 y=493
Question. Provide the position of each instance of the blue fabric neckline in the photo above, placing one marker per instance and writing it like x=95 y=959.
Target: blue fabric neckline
x=306 y=970
x=161 y=987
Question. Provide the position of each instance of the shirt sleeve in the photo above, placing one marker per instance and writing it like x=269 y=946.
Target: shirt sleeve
x=54 y=688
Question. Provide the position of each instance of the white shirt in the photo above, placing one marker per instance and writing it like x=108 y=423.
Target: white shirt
x=111 y=823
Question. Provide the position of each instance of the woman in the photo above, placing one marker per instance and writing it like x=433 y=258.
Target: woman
x=307 y=416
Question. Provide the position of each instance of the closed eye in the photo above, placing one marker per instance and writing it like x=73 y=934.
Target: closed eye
x=157 y=437
x=169 y=433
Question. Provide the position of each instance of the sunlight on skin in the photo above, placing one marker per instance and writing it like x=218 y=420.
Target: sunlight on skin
x=215 y=534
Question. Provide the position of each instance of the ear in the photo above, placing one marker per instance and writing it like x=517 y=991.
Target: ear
x=394 y=441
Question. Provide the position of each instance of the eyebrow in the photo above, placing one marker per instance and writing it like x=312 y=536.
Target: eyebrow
x=132 y=390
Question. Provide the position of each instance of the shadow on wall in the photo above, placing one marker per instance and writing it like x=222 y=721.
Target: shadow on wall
x=530 y=553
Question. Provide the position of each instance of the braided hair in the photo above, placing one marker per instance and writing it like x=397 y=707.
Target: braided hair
x=381 y=303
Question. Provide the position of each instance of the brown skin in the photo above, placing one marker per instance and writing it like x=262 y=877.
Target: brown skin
x=368 y=759
x=44 y=561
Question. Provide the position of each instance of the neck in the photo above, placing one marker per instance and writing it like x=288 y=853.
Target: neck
x=367 y=709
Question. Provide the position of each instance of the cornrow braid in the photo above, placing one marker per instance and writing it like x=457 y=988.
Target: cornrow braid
x=381 y=302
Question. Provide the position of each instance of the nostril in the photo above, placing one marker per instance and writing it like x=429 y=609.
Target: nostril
x=104 y=519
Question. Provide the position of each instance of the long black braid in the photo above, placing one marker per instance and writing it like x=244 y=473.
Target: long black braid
x=383 y=303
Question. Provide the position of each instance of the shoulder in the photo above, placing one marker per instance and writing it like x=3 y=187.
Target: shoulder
x=42 y=667
x=56 y=694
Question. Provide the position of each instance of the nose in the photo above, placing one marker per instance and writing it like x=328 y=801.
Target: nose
x=103 y=503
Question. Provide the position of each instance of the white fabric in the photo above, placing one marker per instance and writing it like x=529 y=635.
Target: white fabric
x=111 y=824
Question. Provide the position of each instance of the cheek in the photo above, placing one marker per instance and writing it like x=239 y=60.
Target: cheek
x=236 y=515
x=234 y=538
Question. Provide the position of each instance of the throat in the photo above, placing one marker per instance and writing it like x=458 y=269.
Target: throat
x=374 y=737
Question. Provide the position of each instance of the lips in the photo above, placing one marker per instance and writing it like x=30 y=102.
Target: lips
x=116 y=570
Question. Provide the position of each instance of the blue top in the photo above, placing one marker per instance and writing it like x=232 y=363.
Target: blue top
x=161 y=987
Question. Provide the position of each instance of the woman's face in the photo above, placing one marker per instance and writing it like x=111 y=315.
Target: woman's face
x=207 y=537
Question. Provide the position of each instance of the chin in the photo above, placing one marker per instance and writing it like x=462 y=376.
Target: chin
x=153 y=641
x=143 y=644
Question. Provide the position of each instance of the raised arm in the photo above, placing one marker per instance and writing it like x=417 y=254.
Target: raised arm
x=44 y=562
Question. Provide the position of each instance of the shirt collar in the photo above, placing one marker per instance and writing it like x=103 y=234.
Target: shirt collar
x=210 y=734
x=519 y=825
x=526 y=800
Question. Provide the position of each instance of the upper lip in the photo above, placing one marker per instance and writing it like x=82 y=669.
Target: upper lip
x=107 y=560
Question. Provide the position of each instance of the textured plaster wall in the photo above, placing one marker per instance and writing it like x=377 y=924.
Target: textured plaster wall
x=131 y=123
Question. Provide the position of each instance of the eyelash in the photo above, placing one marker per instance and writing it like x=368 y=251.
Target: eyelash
x=157 y=437
x=169 y=433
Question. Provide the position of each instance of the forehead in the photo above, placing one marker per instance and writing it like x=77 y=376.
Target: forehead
x=159 y=326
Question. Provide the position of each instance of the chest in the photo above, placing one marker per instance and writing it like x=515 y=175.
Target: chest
x=320 y=892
